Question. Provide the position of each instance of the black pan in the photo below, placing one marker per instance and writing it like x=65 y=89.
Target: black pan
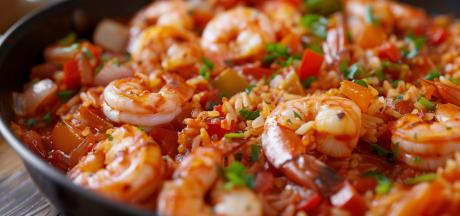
x=22 y=48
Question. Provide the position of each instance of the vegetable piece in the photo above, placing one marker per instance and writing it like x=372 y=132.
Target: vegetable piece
x=34 y=97
x=60 y=55
x=230 y=82
x=310 y=65
x=316 y=24
x=214 y=127
x=369 y=16
x=206 y=69
x=67 y=40
x=236 y=175
x=384 y=184
x=426 y=103
x=357 y=93
x=248 y=114
x=348 y=198
x=238 y=135
x=382 y=152
x=308 y=81
x=370 y=36
x=30 y=123
x=72 y=77
x=356 y=70
x=416 y=44
x=255 y=152
x=111 y=35
x=167 y=139
x=421 y=178
x=111 y=71
x=361 y=83
x=64 y=138
x=389 y=51
x=47 y=118
x=432 y=75
x=323 y=7
x=65 y=95
x=275 y=51
x=437 y=35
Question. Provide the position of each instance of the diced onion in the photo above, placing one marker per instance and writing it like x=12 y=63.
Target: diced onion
x=110 y=72
x=111 y=35
x=33 y=97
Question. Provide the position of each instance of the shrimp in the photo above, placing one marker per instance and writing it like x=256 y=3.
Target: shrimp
x=240 y=34
x=329 y=124
x=162 y=13
x=193 y=179
x=425 y=144
x=126 y=166
x=184 y=195
x=285 y=17
x=134 y=101
x=166 y=47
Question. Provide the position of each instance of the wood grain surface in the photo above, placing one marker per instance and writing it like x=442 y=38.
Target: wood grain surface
x=18 y=194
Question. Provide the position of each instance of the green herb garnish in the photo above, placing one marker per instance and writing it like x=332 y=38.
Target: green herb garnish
x=369 y=16
x=47 y=118
x=236 y=175
x=308 y=81
x=426 y=103
x=87 y=53
x=110 y=137
x=361 y=83
x=65 y=95
x=384 y=184
x=249 y=115
x=67 y=40
x=432 y=75
x=317 y=24
x=323 y=7
x=206 y=68
x=417 y=43
x=255 y=152
x=297 y=115
x=238 y=135
x=421 y=178
x=275 y=51
x=454 y=81
x=30 y=123
x=249 y=88
x=382 y=152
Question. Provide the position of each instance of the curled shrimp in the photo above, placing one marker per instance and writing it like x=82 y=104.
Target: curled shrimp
x=285 y=17
x=166 y=47
x=193 y=179
x=135 y=101
x=162 y=13
x=184 y=195
x=126 y=166
x=329 y=124
x=241 y=34
x=428 y=144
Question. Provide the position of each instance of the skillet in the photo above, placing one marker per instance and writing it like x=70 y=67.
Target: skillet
x=22 y=47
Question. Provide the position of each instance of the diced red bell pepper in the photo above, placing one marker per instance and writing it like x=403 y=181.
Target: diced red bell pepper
x=214 y=127
x=167 y=139
x=310 y=65
x=437 y=35
x=389 y=51
x=72 y=77
x=311 y=203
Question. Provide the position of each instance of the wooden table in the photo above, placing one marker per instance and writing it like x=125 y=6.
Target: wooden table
x=18 y=194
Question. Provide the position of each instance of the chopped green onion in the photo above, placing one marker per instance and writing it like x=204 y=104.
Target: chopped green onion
x=354 y=71
x=65 y=95
x=361 y=83
x=249 y=115
x=67 y=40
x=204 y=72
x=116 y=61
x=382 y=152
x=421 y=178
x=99 y=68
x=317 y=24
x=344 y=67
x=141 y=128
x=47 y=118
x=297 y=115
x=212 y=104
x=208 y=63
x=426 y=103
x=308 y=81
x=236 y=175
x=234 y=135
x=255 y=152
x=395 y=149
x=323 y=7
x=432 y=75
x=395 y=83
x=369 y=16
x=384 y=184
x=87 y=53
x=275 y=51
x=316 y=47
x=30 y=123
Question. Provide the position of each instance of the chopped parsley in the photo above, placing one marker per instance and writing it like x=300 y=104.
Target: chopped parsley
x=141 y=128
x=116 y=61
x=343 y=67
x=249 y=115
x=255 y=153
x=416 y=45
x=110 y=137
x=316 y=47
x=67 y=40
x=212 y=104
x=317 y=24
x=354 y=71
x=361 y=83
x=421 y=178
x=234 y=135
x=249 y=88
x=275 y=51
x=308 y=81
x=99 y=68
x=426 y=103
x=30 y=123
x=236 y=175
x=206 y=68
x=384 y=184
x=47 y=118
x=65 y=95
x=432 y=75
x=87 y=53
x=382 y=152
x=454 y=81
x=369 y=16
x=297 y=115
